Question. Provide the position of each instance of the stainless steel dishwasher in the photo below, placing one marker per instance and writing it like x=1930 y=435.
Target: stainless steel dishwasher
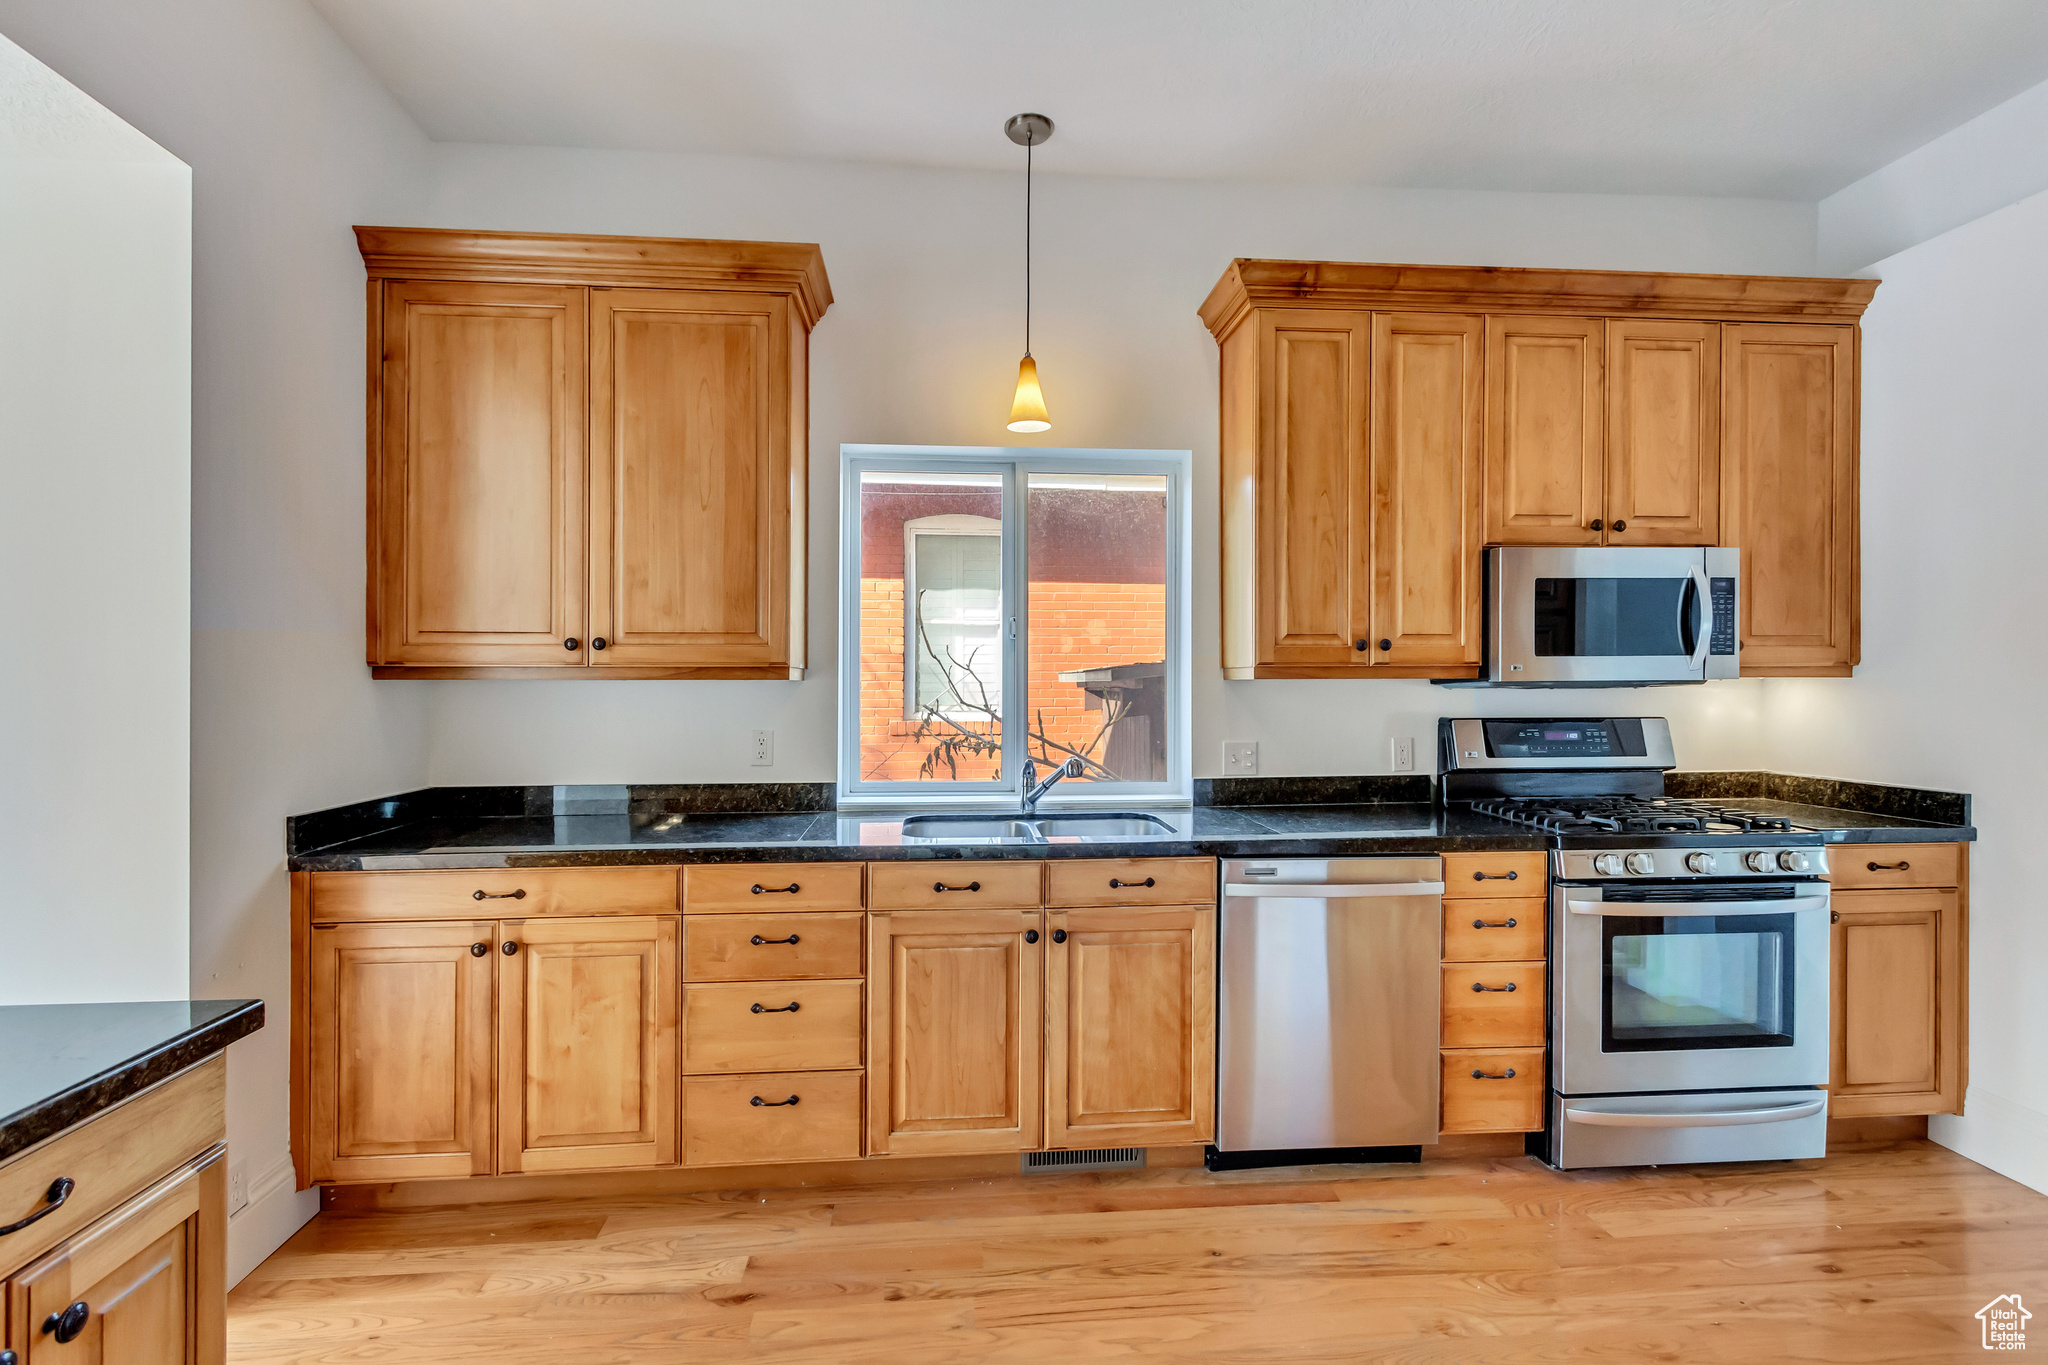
x=1329 y=1010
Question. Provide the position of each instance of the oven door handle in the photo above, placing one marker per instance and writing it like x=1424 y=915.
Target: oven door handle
x=1326 y=891
x=1774 y=1113
x=1667 y=909
x=1703 y=631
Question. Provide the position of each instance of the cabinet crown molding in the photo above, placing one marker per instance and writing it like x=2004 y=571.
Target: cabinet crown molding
x=793 y=268
x=1249 y=284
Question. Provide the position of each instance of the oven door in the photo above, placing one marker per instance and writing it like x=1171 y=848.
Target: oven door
x=1618 y=614
x=1690 y=987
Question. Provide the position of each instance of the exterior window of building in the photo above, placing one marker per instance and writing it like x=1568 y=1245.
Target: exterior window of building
x=999 y=605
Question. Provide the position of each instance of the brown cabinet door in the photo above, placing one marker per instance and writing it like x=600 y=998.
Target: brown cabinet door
x=1130 y=1027
x=1426 y=401
x=1545 y=428
x=399 y=1018
x=1663 y=433
x=477 y=484
x=1896 y=1003
x=1314 y=488
x=955 y=1011
x=587 y=1023
x=691 y=484
x=144 y=1286
x=1788 y=493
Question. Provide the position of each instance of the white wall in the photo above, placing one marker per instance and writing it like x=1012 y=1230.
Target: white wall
x=1950 y=690
x=921 y=347
x=290 y=141
x=95 y=533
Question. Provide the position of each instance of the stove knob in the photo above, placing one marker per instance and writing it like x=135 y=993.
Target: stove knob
x=1794 y=862
x=1607 y=864
x=1642 y=864
x=1760 y=861
x=1702 y=863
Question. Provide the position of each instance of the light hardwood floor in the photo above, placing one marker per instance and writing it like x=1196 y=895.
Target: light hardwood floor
x=1873 y=1255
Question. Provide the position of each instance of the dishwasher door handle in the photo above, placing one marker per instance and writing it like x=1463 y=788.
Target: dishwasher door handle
x=1327 y=891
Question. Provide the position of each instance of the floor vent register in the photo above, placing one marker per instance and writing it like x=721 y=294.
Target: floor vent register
x=1096 y=1159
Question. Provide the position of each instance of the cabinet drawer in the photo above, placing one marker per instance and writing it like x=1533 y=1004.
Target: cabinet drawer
x=1493 y=1016
x=509 y=893
x=953 y=886
x=1505 y=1097
x=111 y=1157
x=1494 y=931
x=758 y=947
x=722 y=1031
x=770 y=887
x=1131 y=881
x=1879 y=866
x=722 y=1126
x=1493 y=876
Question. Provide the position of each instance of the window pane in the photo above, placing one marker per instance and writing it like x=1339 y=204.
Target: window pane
x=1097 y=668
x=930 y=617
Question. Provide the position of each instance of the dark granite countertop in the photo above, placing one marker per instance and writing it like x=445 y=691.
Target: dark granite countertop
x=1314 y=817
x=63 y=1064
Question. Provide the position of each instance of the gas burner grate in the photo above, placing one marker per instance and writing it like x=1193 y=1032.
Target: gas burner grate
x=1629 y=815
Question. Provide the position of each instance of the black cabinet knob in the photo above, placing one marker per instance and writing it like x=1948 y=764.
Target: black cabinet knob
x=1031 y=936
x=9 y=1358
x=509 y=948
x=1059 y=936
x=1596 y=523
x=1621 y=526
x=597 y=642
x=1386 y=644
x=571 y=643
x=479 y=949
x=66 y=1326
x=1364 y=645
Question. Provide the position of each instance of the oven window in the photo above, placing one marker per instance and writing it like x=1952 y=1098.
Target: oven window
x=1605 y=618
x=1690 y=982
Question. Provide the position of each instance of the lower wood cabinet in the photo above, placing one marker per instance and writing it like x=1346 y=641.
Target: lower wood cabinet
x=964 y=1007
x=1493 y=1090
x=1495 y=997
x=788 y=1116
x=1897 y=964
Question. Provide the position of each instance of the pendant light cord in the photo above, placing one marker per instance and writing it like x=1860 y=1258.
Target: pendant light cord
x=1028 y=145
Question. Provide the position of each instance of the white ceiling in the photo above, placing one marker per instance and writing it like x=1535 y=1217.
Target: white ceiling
x=1773 y=98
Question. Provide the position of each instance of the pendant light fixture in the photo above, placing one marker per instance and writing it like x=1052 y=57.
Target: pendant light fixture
x=1027 y=411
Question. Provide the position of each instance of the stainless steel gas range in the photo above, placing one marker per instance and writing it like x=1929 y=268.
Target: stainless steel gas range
x=1688 y=947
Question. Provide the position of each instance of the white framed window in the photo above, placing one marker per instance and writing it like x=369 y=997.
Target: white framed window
x=999 y=604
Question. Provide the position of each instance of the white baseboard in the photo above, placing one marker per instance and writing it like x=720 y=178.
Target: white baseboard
x=1993 y=1131
x=274 y=1212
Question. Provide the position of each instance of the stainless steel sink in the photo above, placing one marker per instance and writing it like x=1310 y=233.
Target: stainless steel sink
x=1018 y=828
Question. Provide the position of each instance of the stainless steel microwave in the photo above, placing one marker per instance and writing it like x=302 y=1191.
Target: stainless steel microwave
x=1611 y=616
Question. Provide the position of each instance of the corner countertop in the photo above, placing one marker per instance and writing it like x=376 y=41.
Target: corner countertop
x=63 y=1064
x=465 y=828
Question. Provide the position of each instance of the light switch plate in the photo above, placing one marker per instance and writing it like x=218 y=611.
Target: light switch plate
x=1404 y=753
x=238 y=1186
x=764 y=748
x=1241 y=759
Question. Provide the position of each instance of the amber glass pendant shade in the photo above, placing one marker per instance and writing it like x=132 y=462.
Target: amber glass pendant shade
x=1028 y=413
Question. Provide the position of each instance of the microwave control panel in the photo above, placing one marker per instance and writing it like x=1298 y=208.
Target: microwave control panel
x=1722 y=592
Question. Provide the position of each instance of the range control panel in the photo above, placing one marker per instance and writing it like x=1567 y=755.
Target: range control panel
x=1690 y=863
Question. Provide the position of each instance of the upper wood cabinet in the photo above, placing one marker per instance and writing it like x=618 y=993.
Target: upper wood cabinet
x=1382 y=424
x=1788 y=495
x=588 y=453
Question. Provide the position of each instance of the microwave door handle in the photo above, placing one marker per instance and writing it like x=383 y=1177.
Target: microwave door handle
x=1703 y=616
x=1672 y=909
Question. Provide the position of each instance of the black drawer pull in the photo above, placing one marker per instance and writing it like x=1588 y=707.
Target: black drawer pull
x=971 y=886
x=1482 y=986
x=791 y=1008
x=60 y=1190
x=1507 y=1075
x=66 y=1326
x=518 y=895
x=758 y=940
x=1494 y=876
x=1900 y=866
x=761 y=890
x=1507 y=923
x=760 y=1103
x=1116 y=885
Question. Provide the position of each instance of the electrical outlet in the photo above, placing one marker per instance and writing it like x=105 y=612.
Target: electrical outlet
x=1240 y=759
x=238 y=1186
x=1404 y=754
x=764 y=748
